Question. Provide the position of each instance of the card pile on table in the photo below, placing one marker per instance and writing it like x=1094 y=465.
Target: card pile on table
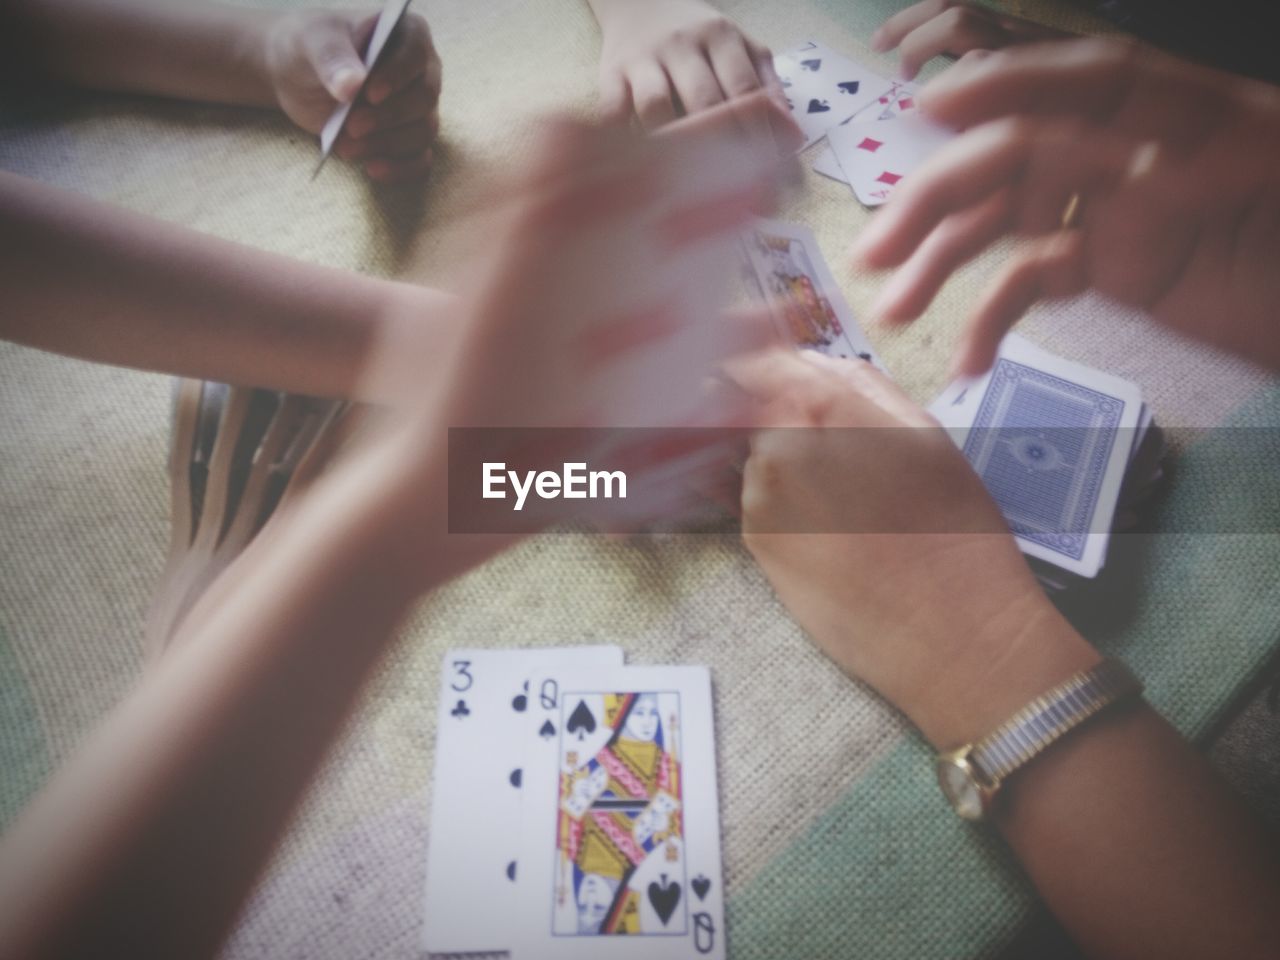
x=874 y=135
x=1068 y=453
x=575 y=810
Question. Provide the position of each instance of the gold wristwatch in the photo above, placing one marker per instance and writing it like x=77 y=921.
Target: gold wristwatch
x=971 y=775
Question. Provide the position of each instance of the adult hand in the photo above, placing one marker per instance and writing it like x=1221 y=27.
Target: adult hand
x=1173 y=167
x=952 y=28
x=664 y=58
x=314 y=62
x=884 y=545
x=591 y=307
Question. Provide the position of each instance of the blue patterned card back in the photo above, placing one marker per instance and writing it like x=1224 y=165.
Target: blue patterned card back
x=1041 y=445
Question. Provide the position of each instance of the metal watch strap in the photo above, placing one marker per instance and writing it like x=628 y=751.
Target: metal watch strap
x=1051 y=715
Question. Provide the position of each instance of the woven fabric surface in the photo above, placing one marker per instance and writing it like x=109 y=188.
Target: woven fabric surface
x=836 y=841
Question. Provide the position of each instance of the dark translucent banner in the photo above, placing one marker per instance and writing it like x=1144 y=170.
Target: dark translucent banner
x=1052 y=485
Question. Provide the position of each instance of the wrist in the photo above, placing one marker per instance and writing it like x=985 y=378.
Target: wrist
x=248 y=56
x=1023 y=651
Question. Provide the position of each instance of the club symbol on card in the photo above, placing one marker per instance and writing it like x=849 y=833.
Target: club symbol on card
x=849 y=86
x=582 y=721
x=700 y=886
x=664 y=896
x=818 y=106
x=460 y=710
x=521 y=700
x=511 y=871
x=547 y=731
x=889 y=178
x=516 y=776
x=811 y=65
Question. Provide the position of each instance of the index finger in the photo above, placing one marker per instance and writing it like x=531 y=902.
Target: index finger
x=1112 y=82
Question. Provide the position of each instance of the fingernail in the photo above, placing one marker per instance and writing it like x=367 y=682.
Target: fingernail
x=346 y=83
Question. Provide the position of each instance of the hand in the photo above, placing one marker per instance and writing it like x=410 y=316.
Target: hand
x=590 y=308
x=1175 y=169
x=883 y=544
x=314 y=61
x=952 y=28
x=663 y=58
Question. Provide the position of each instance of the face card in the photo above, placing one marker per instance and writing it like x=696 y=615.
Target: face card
x=485 y=702
x=898 y=99
x=392 y=12
x=824 y=88
x=877 y=154
x=620 y=825
x=1051 y=440
x=808 y=307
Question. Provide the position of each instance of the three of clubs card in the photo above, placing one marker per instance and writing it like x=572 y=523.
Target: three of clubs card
x=583 y=824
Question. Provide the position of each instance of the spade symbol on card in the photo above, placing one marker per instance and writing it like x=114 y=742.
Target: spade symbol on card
x=818 y=106
x=811 y=65
x=461 y=710
x=521 y=700
x=511 y=871
x=664 y=896
x=849 y=86
x=582 y=721
x=700 y=886
x=516 y=776
x=547 y=731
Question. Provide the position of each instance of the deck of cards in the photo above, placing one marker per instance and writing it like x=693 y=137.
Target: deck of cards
x=874 y=135
x=1067 y=453
x=575 y=810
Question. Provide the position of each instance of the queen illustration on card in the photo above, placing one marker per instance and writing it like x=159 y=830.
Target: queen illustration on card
x=619 y=836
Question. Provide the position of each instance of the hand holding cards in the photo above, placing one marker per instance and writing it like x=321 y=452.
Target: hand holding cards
x=593 y=814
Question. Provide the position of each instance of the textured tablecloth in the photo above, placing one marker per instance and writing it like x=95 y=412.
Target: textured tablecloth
x=836 y=840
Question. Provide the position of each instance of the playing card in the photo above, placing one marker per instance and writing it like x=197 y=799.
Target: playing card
x=824 y=88
x=877 y=154
x=620 y=839
x=392 y=12
x=485 y=697
x=1051 y=440
x=808 y=307
x=898 y=98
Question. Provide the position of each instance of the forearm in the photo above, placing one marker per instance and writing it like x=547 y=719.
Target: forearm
x=1127 y=833
x=97 y=282
x=147 y=842
x=176 y=48
x=1138 y=847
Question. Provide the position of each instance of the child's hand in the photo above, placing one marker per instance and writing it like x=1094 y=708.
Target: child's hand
x=663 y=58
x=883 y=544
x=314 y=61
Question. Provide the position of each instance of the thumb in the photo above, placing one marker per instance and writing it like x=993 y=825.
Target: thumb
x=331 y=50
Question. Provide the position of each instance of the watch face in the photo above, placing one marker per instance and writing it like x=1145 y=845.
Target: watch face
x=958 y=785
